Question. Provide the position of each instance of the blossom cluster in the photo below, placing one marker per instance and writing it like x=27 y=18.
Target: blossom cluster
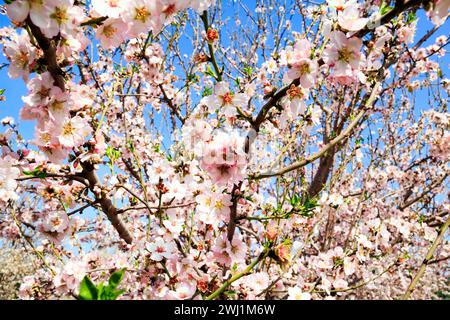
x=298 y=164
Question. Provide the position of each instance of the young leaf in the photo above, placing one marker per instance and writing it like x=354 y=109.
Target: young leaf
x=114 y=294
x=100 y=290
x=88 y=290
x=209 y=72
x=207 y=92
x=37 y=173
x=116 y=278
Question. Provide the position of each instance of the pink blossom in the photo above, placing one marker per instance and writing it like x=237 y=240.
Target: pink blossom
x=74 y=131
x=258 y=281
x=344 y=56
x=295 y=293
x=19 y=10
x=294 y=105
x=160 y=249
x=109 y=8
x=224 y=158
x=350 y=19
x=213 y=205
x=201 y=5
x=142 y=16
x=301 y=66
x=439 y=11
x=21 y=55
x=55 y=221
x=111 y=33
x=58 y=16
x=183 y=291
x=225 y=100
x=8 y=173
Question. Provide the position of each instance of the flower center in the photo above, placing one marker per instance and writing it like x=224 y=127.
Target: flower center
x=60 y=15
x=113 y=3
x=304 y=68
x=56 y=222
x=68 y=129
x=109 y=31
x=224 y=168
x=345 y=55
x=219 y=204
x=160 y=249
x=142 y=14
x=43 y=92
x=45 y=137
x=227 y=98
x=294 y=92
x=22 y=59
x=57 y=105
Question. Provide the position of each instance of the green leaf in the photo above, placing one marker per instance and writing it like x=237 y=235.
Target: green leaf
x=295 y=200
x=192 y=78
x=100 y=290
x=112 y=295
x=88 y=291
x=307 y=208
x=411 y=17
x=37 y=173
x=130 y=145
x=207 y=92
x=209 y=72
x=116 y=278
x=385 y=8
x=338 y=262
x=248 y=70
x=2 y=91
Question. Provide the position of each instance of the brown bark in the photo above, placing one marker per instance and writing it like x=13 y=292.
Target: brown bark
x=105 y=202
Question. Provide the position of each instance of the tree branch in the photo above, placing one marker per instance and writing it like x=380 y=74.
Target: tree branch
x=426 y=261
x=49 y=49
x=239 y=275
x=344 y=134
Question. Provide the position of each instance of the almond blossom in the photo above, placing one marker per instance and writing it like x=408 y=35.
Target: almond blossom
x=19 y=10
x=225 y=100
x=301 y=66
x=58 y=16
x=344 y=56
x=159 y=249
x=112 y=32
x=350 y=18
x=295 y=293
x=21 y=55
x=439 y=11
x=8 y=173
x=73 y=132
x=224 y=158
x=142 y=16
x=110 y=8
